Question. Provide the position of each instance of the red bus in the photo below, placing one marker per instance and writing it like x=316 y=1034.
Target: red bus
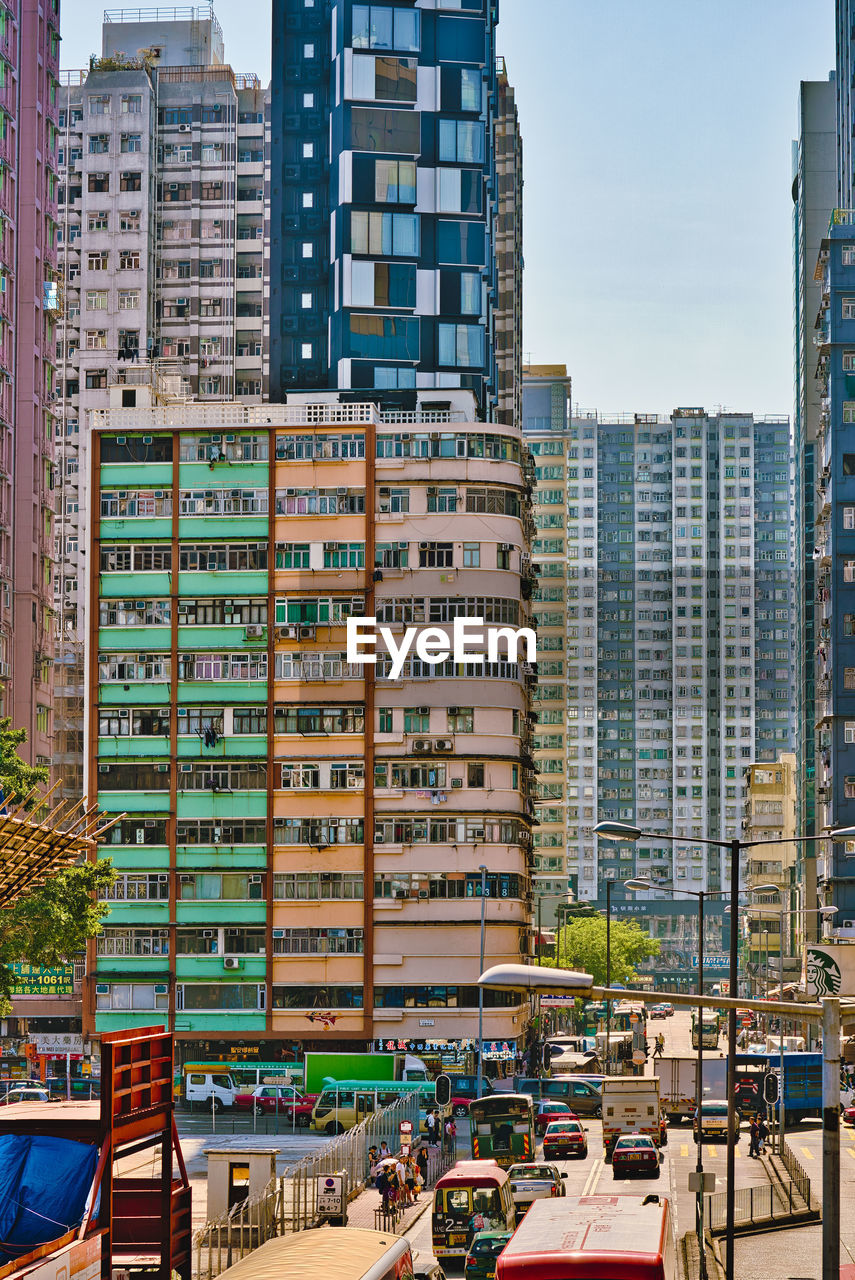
x=601 y=1237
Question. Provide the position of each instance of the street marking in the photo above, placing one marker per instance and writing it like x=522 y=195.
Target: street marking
x=851 y=1151
x=807 y=1153
x=591 y=1180
x=684 y=1150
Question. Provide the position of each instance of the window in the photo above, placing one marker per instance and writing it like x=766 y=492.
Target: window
x=461 y=141
x=461 y=720
x=98 y=221
x=436 y=555
x=395 y=181
x=474 y=774
x=96 y=379
x=377 y=26
x=99 y=104
x=849 y=517
x=130 y=181
x=131 y=104
x=96 y=299
x=133 y=995
x=461 y=243
x=96 y=339
x=383 y=284
x=129 y=299
x=129 y=260
x=376 y=129
x=849 y=462
x=99 y=144
x=416 y=720
x=461 y=345
x=99 y=182
x=384 y=337
x=471 y=555
x=849 y=728
x=131 y=142
x=219 y=996
x=391 y=79
x=129 y=220
x=387 y=235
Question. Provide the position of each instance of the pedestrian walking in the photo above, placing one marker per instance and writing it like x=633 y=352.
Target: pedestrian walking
x=762 y=1135
x=373 y=1157
x=411 y=1171
x=659 y=1048
x=450 y=1136
x=754 y=1145
x=430 y=1125
x=422 y=1161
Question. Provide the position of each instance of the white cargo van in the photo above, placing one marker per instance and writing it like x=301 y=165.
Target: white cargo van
x=201 y=1087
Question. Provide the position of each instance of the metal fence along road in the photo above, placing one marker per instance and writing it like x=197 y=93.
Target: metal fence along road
x=754 y=1205
x=289 y=1201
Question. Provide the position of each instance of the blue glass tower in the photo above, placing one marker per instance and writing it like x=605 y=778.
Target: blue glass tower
x=384 y=198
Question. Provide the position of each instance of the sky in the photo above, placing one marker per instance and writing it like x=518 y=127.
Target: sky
x=658 y=167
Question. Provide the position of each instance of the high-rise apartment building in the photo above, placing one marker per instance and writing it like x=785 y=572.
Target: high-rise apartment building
x=664 y=609
x=814 y=191
x=29 y=87
x=386 y=200
x=164 y=157
x=770 y=815
x=302 y=852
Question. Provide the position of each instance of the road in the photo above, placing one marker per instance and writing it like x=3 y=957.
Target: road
x=585 y=1177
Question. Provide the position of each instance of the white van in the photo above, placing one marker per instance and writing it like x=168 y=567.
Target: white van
x=201 y=1087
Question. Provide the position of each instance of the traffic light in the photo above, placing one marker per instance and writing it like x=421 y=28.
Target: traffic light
x=547 y=1057
x=443 y=1090
x=771 y=1088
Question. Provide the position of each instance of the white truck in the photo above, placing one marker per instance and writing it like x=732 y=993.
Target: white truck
x=677 y=1077
x=630 y=1105
x=208 y=1089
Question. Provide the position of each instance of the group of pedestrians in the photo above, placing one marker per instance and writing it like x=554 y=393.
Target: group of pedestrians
x=399 y=1179
x=758 y=1133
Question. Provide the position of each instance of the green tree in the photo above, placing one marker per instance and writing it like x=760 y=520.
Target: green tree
x=582 y=946
x=17 y=778
x=51 y=921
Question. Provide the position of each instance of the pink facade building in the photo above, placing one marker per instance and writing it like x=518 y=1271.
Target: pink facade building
x=29 y=306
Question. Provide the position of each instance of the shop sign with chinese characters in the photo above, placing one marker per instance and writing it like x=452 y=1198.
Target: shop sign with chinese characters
x=34 y=980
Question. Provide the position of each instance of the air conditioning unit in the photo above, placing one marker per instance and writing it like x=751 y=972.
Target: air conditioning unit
x=342 y=490
x=423 y=546
x=257 y=879
x=231 y=962
x=172 y=186
x=306 y=633
x=286 y=633
x=103 y=768
x=385 y=493
x=183 y=128
x=208 y=933
x=255 y=633
x=421 y=745
x=102 y=989
x=424 y=893
x=353 y=781
x=279 y=933
x=443 y=744
x=456 y=783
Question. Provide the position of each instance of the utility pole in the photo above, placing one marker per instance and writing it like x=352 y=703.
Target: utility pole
x=830 y=1139
x=730 y=1173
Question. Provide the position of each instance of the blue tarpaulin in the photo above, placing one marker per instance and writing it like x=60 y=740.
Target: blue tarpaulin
x=44 y=1183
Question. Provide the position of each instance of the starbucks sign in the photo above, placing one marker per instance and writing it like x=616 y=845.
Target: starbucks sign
x=829 y=971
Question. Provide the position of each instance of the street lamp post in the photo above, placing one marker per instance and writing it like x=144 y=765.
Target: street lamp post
x=786 y=913
x=645 y=886
x=625 y=831
x=483 y=871
x=517 y=977
x=609 y=884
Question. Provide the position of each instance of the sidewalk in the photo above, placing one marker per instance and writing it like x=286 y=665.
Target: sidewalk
x=360 y=1212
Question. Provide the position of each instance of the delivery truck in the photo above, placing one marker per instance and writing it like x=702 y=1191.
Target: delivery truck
x=677 y=1084
x=630 y=1105
x=321 y=1068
